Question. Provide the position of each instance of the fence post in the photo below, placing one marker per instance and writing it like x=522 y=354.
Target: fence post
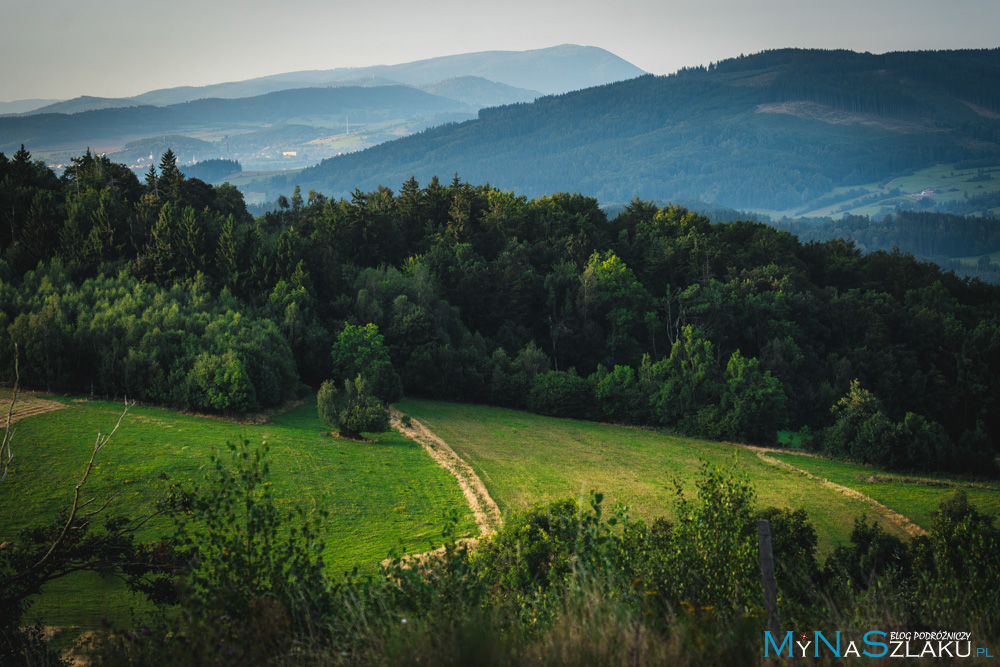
x=767 y=575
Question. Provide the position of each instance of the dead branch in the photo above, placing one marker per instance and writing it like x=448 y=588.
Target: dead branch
x=6 y=454
x=102 y=440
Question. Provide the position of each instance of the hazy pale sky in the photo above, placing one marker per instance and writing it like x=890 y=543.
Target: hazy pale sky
x=118 y=48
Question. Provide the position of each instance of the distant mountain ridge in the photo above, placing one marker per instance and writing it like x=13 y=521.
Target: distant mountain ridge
x=23 y=106
x=319 y=104
x=478 y=92
x=766 y=131
x=551 y=70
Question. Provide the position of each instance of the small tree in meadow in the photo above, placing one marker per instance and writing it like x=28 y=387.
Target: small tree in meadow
x=353 y=410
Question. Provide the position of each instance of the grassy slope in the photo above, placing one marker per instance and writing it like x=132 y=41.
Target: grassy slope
x=913 y=499
x=378 y=495
x=524 y=458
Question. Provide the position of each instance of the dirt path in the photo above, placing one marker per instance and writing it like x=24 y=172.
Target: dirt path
x=484 y=509
x=894 y=517
x=28 y=405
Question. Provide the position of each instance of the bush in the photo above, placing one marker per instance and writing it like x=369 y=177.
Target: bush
x=561 y=394
x=328 y=400
x=352 y=411
x=619 y=397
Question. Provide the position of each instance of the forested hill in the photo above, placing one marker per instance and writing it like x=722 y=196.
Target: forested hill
x=168 y=291
x=771 y=130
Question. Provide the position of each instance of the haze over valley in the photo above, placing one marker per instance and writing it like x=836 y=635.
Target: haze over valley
x=297 y=119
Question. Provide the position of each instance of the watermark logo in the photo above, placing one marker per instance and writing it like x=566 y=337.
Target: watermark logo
x=873 y=644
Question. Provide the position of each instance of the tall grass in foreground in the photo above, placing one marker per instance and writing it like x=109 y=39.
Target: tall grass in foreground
x=560 y=584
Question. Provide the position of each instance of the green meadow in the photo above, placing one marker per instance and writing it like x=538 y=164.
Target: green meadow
x=380 y=496
x=525 y=458
x=913 y=497
x=390 y=495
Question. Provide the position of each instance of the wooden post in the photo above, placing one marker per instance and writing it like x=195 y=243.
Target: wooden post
x=767 y=575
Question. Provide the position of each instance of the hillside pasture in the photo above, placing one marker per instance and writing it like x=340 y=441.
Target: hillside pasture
x=380 y=496
x=525 y=458
x=914 y=497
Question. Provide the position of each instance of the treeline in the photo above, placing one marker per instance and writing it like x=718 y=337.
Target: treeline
x=212 y=170
x=934 y=236
x=656 y=316
x=868 y=82
x=115 y=334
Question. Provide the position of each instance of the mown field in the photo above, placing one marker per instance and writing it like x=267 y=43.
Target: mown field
x=525 y=458
x=390 y=494
x=380 y=496
x=913 y=497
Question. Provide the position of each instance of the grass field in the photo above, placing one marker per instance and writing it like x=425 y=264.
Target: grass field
x=379 y=495
x=914 y=498
x=390 y=493
x=525 y=458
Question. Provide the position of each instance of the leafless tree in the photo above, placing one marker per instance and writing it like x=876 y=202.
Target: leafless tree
x=6 y=454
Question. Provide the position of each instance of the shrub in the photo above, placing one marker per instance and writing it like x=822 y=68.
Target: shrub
x=561 y=394
x=328 y=400
x=352 y=411
x=619 y=397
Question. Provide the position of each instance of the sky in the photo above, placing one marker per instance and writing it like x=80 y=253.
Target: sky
x=61 y=49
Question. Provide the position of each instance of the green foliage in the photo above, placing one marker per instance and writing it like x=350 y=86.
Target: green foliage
x=327 y=403
x=168 y=292
x=863 y=433
x=246 y=563
x=872 y=555
x=752 y=404
x=793 y=546
x=711 y=558
x=221 y=383
x=354 y=410
x=534 y=547
x=619 y=397
x=360 y=351
x=175 y=347
x=561 y=394
x=956 y=563
x=690 y=385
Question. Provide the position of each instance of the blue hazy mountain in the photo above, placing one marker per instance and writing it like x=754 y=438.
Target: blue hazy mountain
x=766 y=131
x=551 y=70
x=313 y=106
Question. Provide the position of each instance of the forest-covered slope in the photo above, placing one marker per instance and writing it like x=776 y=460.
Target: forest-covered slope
x=170 y=292
x=771 y=130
